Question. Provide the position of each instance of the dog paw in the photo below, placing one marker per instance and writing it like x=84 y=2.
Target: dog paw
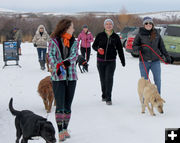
x=142 y=112
x=153 y=114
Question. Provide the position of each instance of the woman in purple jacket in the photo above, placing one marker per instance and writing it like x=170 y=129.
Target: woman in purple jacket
x=86 y=38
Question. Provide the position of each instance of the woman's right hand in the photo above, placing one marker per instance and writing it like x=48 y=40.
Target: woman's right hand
x=101 y=51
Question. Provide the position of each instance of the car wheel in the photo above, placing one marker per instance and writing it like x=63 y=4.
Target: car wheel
x=135 y=55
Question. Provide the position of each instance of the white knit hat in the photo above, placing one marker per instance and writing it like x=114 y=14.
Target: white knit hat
x=108 y=20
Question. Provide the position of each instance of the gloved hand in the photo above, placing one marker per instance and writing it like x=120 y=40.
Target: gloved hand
x=35 y=45
x=101 y=51
x=61 y=67
x=168 y=60
x=66 y=64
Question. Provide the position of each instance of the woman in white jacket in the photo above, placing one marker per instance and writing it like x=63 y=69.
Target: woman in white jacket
x=40 y=41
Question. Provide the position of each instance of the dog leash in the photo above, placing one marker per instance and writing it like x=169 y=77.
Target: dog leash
x=144 y=45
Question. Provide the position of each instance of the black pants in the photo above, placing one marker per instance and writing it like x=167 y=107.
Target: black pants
x=86 y=53
x=106 y=74
x=64 y=93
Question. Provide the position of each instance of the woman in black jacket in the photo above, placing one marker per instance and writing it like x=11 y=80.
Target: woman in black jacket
x=107 y=44
x=148 y=35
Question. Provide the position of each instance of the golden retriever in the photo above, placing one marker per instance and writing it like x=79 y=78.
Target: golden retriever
x=148 y=93
x=46 y=92
x=47 y=64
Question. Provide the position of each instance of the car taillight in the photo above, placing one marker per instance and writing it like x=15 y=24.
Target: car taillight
x=130 y=39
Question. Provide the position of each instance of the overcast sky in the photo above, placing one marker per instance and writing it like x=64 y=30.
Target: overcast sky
x=69 y=6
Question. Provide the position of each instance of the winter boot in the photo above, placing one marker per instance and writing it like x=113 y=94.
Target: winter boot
x=59 y=121
x=61 y=136
x=66 y=134
x=66 y=123
x=41 y=64
x=109 y=102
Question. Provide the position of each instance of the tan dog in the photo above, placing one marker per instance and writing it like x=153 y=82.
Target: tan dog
x=148 y=93
x=46 y=92
x=47 y=64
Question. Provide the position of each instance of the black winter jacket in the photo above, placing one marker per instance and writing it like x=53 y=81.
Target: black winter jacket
x=157 y=44
x=111 y=46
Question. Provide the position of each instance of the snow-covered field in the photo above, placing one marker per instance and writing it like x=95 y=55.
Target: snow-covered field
x=92 y=120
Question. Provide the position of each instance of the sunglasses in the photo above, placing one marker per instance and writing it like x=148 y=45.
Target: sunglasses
x=150 y=23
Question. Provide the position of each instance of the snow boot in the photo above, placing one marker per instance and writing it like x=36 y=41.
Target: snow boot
x=66 y=120
x=61 y=136
x=43 y=64
x=109 y=102
x=66 y=123
x=59 y=121
x=66 y=134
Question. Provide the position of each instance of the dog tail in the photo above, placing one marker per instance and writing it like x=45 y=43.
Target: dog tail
x=13 y=111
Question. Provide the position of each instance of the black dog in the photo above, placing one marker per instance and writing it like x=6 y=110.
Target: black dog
x=82 y=62
x=29 y=125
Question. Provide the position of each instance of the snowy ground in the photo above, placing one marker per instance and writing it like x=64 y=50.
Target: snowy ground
x=92 y=120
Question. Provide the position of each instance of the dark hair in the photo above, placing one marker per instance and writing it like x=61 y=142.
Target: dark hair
x=61 y=28
x=153 y=33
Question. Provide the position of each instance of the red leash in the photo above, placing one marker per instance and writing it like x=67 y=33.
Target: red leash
x=144 y=45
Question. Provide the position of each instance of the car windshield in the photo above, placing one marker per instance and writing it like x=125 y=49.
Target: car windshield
x=135 y=32
x=173 y=31
x=127 y=29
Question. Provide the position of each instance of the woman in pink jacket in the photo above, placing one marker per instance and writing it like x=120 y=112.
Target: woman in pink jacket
x=86 y=38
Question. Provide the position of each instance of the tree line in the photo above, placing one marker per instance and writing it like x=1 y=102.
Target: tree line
x=29 y=25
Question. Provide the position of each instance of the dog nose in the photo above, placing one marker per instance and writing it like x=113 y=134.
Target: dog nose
x=162 y=112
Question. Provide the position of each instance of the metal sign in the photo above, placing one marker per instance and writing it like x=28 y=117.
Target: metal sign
x=10 y=52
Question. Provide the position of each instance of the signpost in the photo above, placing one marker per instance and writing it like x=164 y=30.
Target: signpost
x=10 y=52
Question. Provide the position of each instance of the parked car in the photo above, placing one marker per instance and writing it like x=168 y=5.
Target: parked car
x=172 y=41
x=129 y=43
x=124 y=33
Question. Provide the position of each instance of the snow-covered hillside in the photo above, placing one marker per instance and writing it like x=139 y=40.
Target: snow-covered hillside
x=6 y=10
x=163 y=15
x=92 y=120
x=166 y=15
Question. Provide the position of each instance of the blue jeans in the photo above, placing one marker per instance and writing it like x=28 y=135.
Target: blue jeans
x=155 y=68
x=41 y=53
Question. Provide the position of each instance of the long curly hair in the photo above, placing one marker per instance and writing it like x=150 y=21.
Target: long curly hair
x=61 y=28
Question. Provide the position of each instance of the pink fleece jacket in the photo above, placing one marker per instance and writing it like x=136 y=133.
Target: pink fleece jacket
x=85 y=39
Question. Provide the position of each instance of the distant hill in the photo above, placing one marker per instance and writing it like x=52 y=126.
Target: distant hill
x=163 y=15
